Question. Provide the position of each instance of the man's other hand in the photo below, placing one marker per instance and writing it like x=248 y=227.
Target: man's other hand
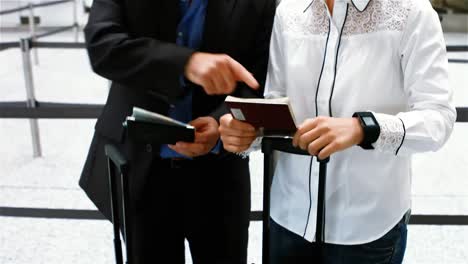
x=217 y=73
x=237 y=136
x=206 y=138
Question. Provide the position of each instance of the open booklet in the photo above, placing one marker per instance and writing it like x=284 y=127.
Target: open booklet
x=272 y=117
x=151 y=127
x=140 y=114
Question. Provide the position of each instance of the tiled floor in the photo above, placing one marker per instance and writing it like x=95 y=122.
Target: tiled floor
x=440 y=182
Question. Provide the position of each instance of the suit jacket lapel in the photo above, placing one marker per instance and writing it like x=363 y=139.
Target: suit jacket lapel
x=218 y=16
x=169 y=18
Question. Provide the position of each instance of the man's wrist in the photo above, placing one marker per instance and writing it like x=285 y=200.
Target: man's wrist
x=188 y=71
x=217 y=148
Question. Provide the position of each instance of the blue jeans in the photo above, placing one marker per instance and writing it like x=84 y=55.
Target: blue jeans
x=289 y=248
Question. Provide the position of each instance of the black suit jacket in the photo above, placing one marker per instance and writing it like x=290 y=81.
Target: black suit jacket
x=132 y=43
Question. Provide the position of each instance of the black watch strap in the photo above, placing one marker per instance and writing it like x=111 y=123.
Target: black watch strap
x=370 y=127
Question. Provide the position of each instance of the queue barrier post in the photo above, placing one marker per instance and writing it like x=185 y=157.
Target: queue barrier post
x=30 y=93
x=32 y=31
x=75 y=20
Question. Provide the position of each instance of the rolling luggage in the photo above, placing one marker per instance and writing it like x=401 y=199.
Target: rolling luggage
x=269 y=145
x=142 y=131
x=117 y=166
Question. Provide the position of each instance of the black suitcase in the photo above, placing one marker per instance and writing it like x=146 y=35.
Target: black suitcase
x=117 y=165
x=269 y=145
x=142 y=132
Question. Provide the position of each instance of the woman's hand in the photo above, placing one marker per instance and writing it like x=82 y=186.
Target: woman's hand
x=323 y=136
x=237 y=136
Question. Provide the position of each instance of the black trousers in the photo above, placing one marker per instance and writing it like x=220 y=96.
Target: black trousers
x=204 y=201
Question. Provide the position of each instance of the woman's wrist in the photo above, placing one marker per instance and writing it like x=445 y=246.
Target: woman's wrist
x=358 y=134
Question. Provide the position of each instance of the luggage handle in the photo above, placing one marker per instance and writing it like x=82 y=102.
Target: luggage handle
x=269 y=145
x=116 y=162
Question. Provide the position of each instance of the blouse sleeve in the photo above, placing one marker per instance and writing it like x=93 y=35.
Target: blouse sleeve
x=430 y=118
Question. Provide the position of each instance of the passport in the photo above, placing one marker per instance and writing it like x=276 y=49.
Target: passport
x=150 y=127
x=271 y=117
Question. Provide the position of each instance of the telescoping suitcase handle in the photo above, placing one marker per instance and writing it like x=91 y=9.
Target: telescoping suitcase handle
x=116 y=162
x=269 y=145
x=138 y=131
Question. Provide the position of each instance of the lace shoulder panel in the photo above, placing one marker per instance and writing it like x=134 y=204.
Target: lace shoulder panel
x=312 y=22
x=380 y=15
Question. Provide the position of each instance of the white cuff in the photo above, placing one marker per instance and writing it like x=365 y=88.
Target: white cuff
x=392 y=133
x=256 y=145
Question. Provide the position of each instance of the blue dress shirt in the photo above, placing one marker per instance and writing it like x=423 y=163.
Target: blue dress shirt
x=189 y=34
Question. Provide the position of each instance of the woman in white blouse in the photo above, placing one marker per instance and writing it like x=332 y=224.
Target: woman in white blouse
x=383 y=62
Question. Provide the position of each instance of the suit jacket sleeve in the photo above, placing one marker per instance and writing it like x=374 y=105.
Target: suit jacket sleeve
x=136 y=62
x=258 y=60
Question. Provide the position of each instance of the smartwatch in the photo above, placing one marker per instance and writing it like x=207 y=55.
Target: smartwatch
x=370 y=127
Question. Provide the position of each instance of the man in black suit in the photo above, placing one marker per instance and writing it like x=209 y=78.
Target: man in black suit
x=178 y=58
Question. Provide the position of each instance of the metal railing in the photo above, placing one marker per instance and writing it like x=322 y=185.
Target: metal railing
x=26 y=45
x=31 y=5
x=32 y=22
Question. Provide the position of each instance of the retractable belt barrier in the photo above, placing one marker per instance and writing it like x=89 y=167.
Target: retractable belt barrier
x=56 y=31
x=462 y=114
x=8 y=45
x=457 y=48
x=32 y=21
x=31 y=108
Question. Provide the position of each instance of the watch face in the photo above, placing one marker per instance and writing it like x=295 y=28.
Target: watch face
x=369 y=121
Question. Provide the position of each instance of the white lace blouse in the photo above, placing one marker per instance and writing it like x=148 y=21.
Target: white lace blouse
x=385 y=56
